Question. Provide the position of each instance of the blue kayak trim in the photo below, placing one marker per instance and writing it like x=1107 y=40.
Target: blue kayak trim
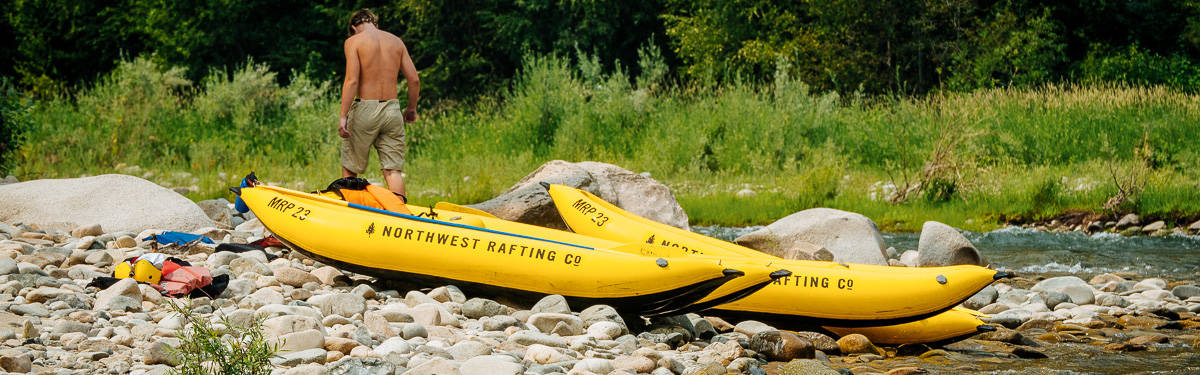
x=462 y=226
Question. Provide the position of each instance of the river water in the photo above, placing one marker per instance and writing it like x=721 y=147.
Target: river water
x=1034 y=254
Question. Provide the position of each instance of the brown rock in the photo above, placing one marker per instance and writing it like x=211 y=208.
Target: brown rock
x=331 y=276
x=906 y=371
x=1150 y=339
x=1042 y=324
x=719 y=324
x=1105 y=278
x=781 y=346
x=820 y=341
x=294 y=277
x=16 y=363
x=637 y=364
x=1143 y=322
x=857 y=344
x=87 y=230
x=339 y=344
x=1007 y=335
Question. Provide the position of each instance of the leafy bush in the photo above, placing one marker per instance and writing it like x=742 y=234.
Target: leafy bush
x=225 y=348
x=1139 y=66
x=15 y=111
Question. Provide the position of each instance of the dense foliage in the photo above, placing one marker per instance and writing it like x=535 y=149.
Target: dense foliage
x=990 y=155
x=467 y=47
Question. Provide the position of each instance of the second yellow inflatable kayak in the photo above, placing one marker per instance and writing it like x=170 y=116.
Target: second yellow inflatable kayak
x=826 y=293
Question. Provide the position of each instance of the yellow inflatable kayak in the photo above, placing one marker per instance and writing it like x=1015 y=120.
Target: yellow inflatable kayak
x=947 y=326
x=825 y=293
x=488 y=261
x=953 y=324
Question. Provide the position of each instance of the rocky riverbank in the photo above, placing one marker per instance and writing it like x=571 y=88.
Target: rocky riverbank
x=328 y=321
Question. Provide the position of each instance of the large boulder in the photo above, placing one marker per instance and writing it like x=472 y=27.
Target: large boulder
x=942 y=245
x=851 y=237
x=118 y=203
x=528 y=202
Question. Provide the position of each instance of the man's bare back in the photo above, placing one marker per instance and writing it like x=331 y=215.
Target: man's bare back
x=374 y=61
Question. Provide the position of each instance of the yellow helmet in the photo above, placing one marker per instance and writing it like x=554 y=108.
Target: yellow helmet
x=142 y=271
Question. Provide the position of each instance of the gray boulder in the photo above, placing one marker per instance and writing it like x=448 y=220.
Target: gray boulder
x=984 y=297
x=528 y=202
x=122 y=296
x=1078 y=290
x=851 y=237
x=1127 y=221
x=942 y=245
x=115 y=202
x=1184 y=292
x=218 y=210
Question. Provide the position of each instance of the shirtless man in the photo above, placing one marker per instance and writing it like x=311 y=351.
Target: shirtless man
x=371 y=114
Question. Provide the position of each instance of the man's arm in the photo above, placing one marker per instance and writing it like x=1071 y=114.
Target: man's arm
x=349 y=86
x=414 y=84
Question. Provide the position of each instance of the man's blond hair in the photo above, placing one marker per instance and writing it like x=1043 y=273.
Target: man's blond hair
x=362 y=16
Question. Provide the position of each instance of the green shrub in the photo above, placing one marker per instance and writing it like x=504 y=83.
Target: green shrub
x=226 y=348
x=15 y=111
x=1138 y=66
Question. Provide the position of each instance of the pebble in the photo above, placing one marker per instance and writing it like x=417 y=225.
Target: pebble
x=329 y=321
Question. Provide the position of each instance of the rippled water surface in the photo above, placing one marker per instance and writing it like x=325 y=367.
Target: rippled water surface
x=1027 y=251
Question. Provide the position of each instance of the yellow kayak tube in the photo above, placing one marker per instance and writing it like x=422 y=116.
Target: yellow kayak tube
x=390 y=245
x=956 y=323
x=758 y=274
x=825 y=293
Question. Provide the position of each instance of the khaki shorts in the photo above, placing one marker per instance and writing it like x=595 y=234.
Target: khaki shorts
x=379 y=124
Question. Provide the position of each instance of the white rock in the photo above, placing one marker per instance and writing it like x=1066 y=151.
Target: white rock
x=910 y=258
x=851 y=237
x=122 y=296
x=546 y=322
x=393 y=345
x=942 y=245
x=491 y=365
x=605 y=330
x=1150 y=284
x=344 y=304
x=116 y=202
x=435 y=366
x=542 y=354
x=594 y=365
x=468 y=349
x=264 y=297
x=302 y=340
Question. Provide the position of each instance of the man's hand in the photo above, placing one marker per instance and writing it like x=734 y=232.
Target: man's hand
x=410 y=115
x=343 y=129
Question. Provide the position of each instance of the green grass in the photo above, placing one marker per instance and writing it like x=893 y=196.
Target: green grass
x=227 y=347
x=1007 y=155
